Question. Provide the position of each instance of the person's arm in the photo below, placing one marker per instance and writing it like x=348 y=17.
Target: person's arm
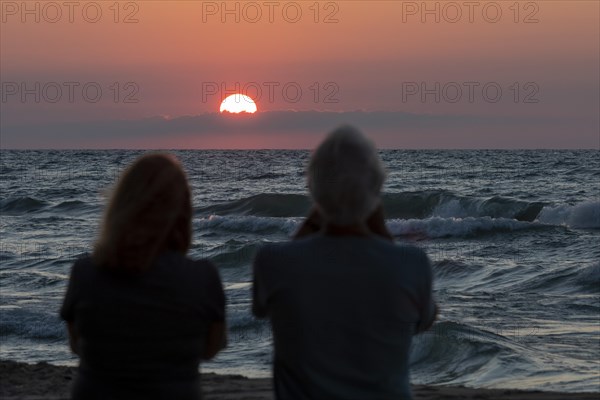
x=429 y=309
x=67 y=310
x=216 y=339
x=73 y=338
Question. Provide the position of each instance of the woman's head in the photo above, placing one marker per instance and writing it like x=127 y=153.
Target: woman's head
x=149 y=211
x=345 y=177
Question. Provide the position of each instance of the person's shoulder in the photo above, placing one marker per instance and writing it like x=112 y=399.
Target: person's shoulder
x=411 y=250
x=84 y=260
x=83 y=272
x=415 y=261
x=272 y=248
x=83 y=265
x=285 y=248
x=408 y=253
x=191 y=272
x=204 y=266
x=277 y=254
x=193 y=265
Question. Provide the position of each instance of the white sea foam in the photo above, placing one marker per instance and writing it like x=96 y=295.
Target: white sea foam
x=435 y=227
x=583 y=215
x=249 y=223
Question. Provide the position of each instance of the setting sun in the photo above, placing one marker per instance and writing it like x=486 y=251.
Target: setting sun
x=237 y=103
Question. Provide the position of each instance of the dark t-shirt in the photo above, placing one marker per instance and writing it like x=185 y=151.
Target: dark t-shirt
x=343 y=311
x=142 y=332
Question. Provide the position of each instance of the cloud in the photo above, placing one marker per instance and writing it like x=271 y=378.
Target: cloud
x=302 y=129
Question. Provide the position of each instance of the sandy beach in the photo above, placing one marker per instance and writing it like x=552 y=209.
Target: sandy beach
x=44 y=381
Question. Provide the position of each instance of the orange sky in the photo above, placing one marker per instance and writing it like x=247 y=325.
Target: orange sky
x=175 y=49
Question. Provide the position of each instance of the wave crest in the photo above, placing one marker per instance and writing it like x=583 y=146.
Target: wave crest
x=584 y=215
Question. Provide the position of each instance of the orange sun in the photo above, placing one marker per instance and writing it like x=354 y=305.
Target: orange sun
x=237 y=103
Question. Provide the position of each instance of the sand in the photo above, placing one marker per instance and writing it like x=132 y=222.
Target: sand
x=49 y=382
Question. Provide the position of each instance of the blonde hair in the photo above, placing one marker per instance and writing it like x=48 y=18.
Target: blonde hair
x=345 y=177
x=149 y=211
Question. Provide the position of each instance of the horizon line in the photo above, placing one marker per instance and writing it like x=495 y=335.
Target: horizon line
x=296 y=149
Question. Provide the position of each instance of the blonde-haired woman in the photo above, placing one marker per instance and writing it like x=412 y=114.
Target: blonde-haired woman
x=140 y=314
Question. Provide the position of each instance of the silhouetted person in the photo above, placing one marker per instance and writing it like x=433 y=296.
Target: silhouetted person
x=343 y=300
x=140 y=314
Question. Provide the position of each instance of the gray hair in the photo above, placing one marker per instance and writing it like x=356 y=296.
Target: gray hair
x=345 y=176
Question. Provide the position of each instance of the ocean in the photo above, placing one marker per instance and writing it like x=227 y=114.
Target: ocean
x=514 y=237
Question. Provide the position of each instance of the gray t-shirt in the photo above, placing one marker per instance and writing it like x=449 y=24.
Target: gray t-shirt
x=343 y=311
x=142 y=331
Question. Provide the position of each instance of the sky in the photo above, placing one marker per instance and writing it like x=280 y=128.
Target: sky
x=436 y=74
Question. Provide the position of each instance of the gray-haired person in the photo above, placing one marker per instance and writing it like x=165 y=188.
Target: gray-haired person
x=344 y=301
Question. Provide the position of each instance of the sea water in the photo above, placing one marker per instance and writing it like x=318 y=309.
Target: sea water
x=514 y=237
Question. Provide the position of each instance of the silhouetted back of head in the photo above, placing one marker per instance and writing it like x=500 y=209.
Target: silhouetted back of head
x=149 y=211
x=345 y=177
